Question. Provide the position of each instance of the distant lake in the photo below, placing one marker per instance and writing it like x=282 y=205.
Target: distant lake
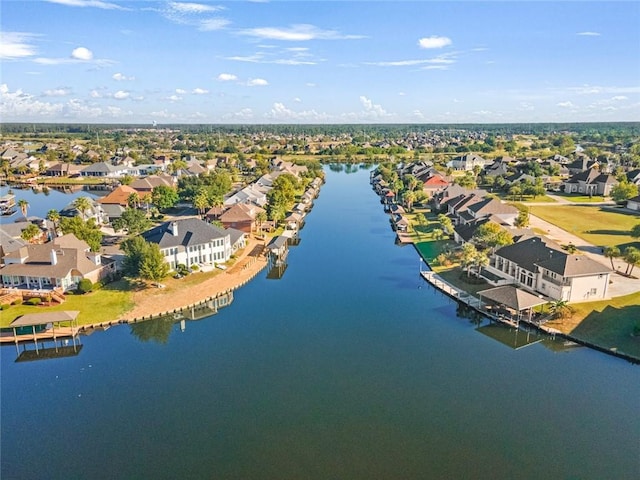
x=348 y=367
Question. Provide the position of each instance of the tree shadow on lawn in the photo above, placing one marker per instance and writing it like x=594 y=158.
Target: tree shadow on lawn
x=608 y=232
x=611 y=328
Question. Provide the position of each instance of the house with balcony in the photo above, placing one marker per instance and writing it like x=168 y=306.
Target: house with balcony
x=191 y=241
x=59 y=264
x=543 y=268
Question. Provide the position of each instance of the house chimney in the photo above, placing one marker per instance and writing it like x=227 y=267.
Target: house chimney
x=54 y=257
x=174 y=228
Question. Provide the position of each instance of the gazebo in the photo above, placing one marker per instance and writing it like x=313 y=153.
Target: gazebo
x=514 y=299
x=55 y=319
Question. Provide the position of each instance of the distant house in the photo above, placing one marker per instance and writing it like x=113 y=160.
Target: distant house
x=634 y=203
x=590 y=182
x=63 y=170
x=104 y=169
x=147 y=184
x=191 y=241
x=543 y=268
x=467 y=162
x=95 y=211
x=633 y=176
x=61 y=263
x=241 y=216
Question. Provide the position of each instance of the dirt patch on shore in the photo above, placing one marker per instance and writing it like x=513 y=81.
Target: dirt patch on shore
x=181 y=293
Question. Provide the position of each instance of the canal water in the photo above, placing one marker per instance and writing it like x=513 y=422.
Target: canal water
x=349 y=367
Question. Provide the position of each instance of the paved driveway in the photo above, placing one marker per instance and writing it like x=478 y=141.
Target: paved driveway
x=620 y=285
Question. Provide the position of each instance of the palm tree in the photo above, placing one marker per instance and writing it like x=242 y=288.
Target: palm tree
x=261 y=217
x=409 y=197
x=611 y=253
x=201 y=201
x=133 y=200
x=24 y=207
x=54 y=216
x=560 y=309
x=83 y=205
x=632 y=257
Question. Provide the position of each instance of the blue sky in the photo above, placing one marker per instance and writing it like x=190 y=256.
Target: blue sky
x=102 y=61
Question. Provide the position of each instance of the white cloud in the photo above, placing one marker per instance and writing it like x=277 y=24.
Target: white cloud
x=244 y=114
x=297 y=33
x=434 y=42
x=180 y=91
x=417 y=114
x=435 y=67
x=193 y=8
x=619 y=98
x=280 y=112
x=297 y=100
x=257 y=82
x=310 y=84
x=212 y=24
x=401 y=94
x=227 y=77
x=121 y=95
x=199 y=91
x=119 y=77
x=88 y=3
x=16 y=45
x=195 y=15
x=526 y=106
x=57 y=92
x=95 y=94
x=588 y=34
x=82 y=53
x=372 y=110
x=174 y=98
x=566 y=104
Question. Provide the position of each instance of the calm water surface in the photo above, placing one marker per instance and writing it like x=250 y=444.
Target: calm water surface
x=348 y=367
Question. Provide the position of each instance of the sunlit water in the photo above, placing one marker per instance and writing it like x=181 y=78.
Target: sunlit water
x=348 y=367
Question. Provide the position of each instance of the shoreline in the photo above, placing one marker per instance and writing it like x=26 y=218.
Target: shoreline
x=151 y=303
x=440 y=285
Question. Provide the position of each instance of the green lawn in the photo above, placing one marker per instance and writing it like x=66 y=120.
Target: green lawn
x=597 y=225
x=575 y=197
x=103 y=305
x=607 y=323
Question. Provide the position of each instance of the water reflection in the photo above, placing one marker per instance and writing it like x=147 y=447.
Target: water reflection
x=159 y=329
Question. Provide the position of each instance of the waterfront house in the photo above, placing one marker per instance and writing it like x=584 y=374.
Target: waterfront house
x=542 y=267
x=61 y=263
x=104 y=170
x=190 y=241
x=241 y=216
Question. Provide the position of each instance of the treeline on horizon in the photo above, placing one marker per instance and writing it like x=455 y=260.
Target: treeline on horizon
x=603 y=128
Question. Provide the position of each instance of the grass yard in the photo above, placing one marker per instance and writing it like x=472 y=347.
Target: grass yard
x=103 y=305
x=597 y=225
x=607 y=323
x=576 y=197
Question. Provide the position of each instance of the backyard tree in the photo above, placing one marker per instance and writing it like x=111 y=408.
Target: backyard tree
x=88 y=231
x=132 y=220
x=624 y=191
x=164 y=197
x=83 y=205
x=153 y=267
x=30 y=233
x=631 y=255
x=492 y=235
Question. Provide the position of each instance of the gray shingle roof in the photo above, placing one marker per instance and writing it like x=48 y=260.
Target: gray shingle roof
x=191 y=231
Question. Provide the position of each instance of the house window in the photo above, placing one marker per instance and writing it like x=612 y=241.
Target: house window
x=593 y=291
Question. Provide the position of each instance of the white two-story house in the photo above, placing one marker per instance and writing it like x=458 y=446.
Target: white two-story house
x=191 y=241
